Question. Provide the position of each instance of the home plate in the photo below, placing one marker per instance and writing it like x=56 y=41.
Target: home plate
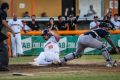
x=21 y=74
x=63 y=67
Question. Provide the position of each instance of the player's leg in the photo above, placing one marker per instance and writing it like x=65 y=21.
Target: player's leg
x=76 y=54
x=56 y=57
x=13 y=44
x=3 y=56
x=41 y=59
x=52 y=57
x=19 y=44
x=94 y=43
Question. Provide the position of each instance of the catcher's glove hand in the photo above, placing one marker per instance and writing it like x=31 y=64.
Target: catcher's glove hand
x=113 y=51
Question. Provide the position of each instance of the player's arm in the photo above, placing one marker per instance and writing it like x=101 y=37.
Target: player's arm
x=7 y=26
x=111 y=43
x=57 y=37
x=76 y=24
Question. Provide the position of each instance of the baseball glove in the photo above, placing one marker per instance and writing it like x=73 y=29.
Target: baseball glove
x=112 y=51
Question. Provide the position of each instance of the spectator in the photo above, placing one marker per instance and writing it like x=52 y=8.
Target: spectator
x=52 y=25
x=16 y=26
x=91 y=12
x=72 y=23
x=26 y=14
x=4 y=60
x=69 y=12
x=116 y=22
x=26 y=28
x=108 y=16
x=94 y=24
x=44 y=14
x=107 y=19
x=61 y=25
x=34 y=25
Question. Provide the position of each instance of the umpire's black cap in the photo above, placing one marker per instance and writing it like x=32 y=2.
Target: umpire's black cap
x=4 y=6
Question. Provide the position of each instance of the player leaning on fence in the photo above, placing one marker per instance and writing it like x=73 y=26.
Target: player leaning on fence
x=93 y=39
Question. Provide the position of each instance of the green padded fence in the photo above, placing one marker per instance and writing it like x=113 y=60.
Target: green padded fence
x=33 y=45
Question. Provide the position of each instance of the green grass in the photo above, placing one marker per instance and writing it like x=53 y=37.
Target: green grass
x=66 y=76
x=77 y=75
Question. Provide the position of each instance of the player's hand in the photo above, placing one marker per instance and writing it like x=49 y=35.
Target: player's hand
x=67 y=9
x=13 y=33
x=117 y=50
x=51 y=32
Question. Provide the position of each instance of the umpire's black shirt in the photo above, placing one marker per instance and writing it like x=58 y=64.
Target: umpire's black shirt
x=3 y=16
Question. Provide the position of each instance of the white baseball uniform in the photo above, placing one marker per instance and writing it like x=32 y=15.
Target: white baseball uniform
x=93 y=24
x=50 y=54
x=16 y=40
x=116 y=24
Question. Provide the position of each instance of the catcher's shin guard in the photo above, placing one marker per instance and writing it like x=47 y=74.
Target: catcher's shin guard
x=69 y=57
x=105 y=53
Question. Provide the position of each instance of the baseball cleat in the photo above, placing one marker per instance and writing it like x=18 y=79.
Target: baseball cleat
x=111 y=64
x=115 y=63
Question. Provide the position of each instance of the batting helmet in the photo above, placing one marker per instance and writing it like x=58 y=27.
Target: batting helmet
x=45 y=32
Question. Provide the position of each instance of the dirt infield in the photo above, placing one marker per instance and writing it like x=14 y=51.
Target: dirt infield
x=65 y=68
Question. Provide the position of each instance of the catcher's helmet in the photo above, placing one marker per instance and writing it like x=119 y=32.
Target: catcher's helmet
x=108 y=25
x=103 y=24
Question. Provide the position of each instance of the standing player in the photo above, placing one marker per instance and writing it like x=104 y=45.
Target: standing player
x=92 y=39
x=16 y=26
x=51 y=50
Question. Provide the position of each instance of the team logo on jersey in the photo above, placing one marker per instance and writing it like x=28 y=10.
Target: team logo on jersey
x=50 y=46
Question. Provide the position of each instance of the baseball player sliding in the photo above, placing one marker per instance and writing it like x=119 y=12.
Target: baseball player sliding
x=16 y=26
x=51 y=50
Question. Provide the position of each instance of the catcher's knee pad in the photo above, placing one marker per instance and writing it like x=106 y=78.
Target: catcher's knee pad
x=104 y=48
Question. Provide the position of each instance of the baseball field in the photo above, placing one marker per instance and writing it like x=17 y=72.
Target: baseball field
x=89 y=67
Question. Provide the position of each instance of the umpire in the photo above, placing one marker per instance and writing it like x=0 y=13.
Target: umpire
x=3 y=47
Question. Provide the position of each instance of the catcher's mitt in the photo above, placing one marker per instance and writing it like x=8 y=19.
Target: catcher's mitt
x=112 y=51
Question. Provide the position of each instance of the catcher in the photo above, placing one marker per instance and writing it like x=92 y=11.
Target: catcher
x=51 y=50
x=93 y=39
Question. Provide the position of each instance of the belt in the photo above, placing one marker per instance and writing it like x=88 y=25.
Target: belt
x=17 y=32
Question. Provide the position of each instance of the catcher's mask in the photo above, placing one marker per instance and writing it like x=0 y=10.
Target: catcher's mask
x=106 y=25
